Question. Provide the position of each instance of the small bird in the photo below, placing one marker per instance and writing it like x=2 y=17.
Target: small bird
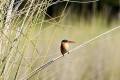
x=65 y=46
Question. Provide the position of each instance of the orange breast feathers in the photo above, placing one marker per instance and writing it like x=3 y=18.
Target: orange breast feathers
x=66 y=46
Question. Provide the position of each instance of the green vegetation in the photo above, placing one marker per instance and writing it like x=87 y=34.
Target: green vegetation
x=28 y=41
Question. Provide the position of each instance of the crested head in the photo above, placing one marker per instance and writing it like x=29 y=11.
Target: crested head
x=67 y=41
x=64 y=40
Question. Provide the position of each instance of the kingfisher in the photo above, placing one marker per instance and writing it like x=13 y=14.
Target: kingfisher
x=65 y=46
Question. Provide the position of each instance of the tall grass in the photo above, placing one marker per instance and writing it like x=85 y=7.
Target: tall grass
x=31 y=41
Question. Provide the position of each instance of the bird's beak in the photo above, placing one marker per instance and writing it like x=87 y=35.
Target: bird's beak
x=71 y=42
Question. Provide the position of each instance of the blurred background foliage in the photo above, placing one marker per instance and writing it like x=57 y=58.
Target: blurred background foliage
x=32 y=31
x=108 y=8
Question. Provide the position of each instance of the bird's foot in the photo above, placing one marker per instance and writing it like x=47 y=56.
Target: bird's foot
x=68 y=52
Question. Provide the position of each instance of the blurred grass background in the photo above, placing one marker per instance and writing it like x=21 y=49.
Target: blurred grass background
x=31 y=32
